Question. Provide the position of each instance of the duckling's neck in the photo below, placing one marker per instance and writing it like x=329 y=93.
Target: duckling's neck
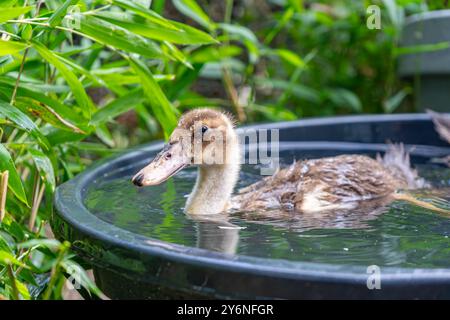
x=213 y=188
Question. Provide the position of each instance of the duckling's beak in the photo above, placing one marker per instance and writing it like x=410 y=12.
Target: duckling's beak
x=167 y=163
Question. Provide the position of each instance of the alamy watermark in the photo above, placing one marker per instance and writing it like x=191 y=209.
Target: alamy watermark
x=373 y=21
x=217 y=146
x=374 y=278
x=74 y=280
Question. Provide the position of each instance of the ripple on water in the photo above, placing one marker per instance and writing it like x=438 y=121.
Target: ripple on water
x=398 y=235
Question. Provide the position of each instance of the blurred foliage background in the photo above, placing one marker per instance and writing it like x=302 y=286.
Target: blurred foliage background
x=81 y=79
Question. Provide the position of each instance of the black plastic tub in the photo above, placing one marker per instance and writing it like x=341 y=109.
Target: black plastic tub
x=131 y=266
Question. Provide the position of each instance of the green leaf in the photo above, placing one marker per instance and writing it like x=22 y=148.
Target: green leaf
x=118 y=106
x=10 y=47
x=394 y=102
x=150 y=15
x=51 y=244
x=27 y=32
x=298 y=90
x=211 y=53
x=64 y=112
x=345 y=98
x=191 y=9
x=7 y=3
x=242 y=33
x=78 y=91
x=23 y=290
x=46 y=113
x=45 y=168
x=182 y=35
x=421 y=48
x=396 y=13
x=290 y=57
x=103 y=133
x=58 y=15
x=24 y=122
x=10 y=13
x=57 y=136
x=79 y=275
x=109 y=34
x=176 y=53
x=7 y=258
x=245 y=36
x=162 y=108
x=14 y=181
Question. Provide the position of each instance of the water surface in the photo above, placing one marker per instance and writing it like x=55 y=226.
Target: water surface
x=397 y=235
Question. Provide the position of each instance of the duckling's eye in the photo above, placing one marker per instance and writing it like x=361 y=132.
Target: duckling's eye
x=168 y=155
x=204 y=129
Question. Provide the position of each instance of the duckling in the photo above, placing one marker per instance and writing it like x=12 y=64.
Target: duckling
x=204 y=135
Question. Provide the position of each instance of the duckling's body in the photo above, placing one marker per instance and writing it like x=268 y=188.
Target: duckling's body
x=332 y=183
x=323 y=184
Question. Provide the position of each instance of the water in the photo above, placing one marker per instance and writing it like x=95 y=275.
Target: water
x=397 y=235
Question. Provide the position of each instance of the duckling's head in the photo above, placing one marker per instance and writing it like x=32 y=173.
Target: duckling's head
x=203 y=137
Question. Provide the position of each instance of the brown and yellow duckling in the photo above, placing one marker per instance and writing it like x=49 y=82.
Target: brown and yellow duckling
x=308 y=186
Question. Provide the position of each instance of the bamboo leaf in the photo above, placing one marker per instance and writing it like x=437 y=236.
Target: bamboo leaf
x=184 y=34
x=51 y=244
x=65 y=113
x=109 y=34
x=24 y=122
x=102 y=132
x=421 y=48
x=81 y=277
x=56 y=18
x=391 y=104
x=10 y=47
x=14 y=181
x=345 y=98
x=150 y=15
x=191 y=9
x=79 y=93
x=118 y=106
x=161 y=106
x=242 y=33
x=177 y=54
x=7 y=3
x=45 y=168
x=23 y=290
x=290 y=57
x=11 y=13
x=46 y=113
x=7 y=258
x=296 y=89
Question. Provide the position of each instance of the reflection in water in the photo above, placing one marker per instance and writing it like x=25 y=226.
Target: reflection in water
x=396 y=234
x=217 y=236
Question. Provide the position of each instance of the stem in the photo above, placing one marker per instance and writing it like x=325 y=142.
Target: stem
x=228 y=11
x=38 y=193
x=13 y=97
x=226 y=73
x=55 y=272
x=13 y=282
x=232 y=93
x=10 y=34
x=3 y=191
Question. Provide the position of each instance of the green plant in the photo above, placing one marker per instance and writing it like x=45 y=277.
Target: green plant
x=68 y=68
x=82 y=79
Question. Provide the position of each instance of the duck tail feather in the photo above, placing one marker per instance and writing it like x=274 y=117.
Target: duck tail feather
x=441 y=124
x=420 y=203
x=397 y=161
